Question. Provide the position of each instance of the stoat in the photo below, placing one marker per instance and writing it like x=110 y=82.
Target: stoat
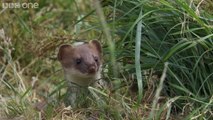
x=81 y=63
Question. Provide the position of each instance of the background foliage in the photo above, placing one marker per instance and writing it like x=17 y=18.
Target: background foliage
x=157 y=58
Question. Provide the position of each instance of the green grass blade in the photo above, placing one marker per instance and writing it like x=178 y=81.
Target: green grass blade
x=137 y=59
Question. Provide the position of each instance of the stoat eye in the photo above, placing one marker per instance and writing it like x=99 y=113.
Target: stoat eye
x=78 y=61
x=96 y=59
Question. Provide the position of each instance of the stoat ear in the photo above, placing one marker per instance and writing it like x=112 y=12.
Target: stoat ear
x=97 y=45
x=64 y=51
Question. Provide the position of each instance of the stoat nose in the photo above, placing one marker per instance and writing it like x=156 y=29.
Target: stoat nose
x=91 y=69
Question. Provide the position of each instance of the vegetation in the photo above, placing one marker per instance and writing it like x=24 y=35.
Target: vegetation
x=158 y=59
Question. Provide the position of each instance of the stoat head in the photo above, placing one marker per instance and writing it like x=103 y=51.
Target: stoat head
x=81 y=62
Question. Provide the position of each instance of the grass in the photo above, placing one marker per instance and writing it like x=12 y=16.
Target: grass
x=157 y=59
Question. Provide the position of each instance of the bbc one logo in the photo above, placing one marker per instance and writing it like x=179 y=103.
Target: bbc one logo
x=24 y=5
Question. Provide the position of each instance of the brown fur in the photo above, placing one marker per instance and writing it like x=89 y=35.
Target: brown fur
x=81 y=65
